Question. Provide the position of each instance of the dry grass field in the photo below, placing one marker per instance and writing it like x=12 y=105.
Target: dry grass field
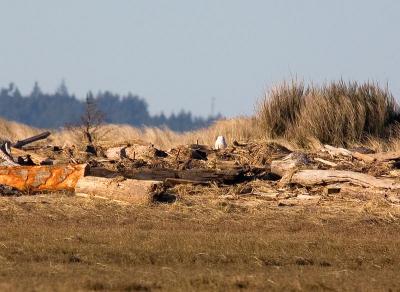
x=253 y=236
x=202 y=242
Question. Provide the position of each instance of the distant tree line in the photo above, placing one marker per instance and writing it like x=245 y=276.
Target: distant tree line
x=61 y=108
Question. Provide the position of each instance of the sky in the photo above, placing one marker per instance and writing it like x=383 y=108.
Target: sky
x=180 y=54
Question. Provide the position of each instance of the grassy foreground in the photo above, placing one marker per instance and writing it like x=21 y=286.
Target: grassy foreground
x=62 y=243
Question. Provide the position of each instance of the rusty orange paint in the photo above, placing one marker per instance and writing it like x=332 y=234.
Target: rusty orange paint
x=42 y=178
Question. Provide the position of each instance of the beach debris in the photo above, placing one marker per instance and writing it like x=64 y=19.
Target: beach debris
x=138 y=172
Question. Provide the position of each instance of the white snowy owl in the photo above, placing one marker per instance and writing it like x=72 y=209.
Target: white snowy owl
x=220 y=143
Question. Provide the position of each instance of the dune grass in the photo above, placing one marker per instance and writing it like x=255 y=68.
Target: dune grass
x=338 y=113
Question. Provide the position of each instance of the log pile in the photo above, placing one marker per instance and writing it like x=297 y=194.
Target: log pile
x=141 y=173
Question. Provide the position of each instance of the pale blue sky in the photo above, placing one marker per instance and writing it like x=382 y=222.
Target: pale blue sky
x=180 y=54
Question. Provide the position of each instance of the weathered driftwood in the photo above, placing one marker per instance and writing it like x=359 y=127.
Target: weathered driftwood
x=288 y=163
x=170 y=182
x=334 y=151
x=378 y=157
x=364 y=157
x=310 y=177
x=227 y=176
x=386 y=156
x=368 y=158
x=326 y=162
x=6 y=159
x=42 y=178
x=128 y=190
x=29 y=140
x=290 y=170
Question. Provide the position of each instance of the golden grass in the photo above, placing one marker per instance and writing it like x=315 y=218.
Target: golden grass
x=209 y=240
x=15 y=131
x=337 y=113
x=240 y=129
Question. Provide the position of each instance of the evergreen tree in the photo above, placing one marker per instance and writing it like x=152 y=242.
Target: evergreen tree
x=36 y=91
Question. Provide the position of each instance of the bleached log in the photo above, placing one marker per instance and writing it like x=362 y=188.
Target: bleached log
x=368 y=158
x=310 y=177
x=288 y=163
x=326 y=162
x=386 y=156
x=5 y=155
x=379 y=157
x=335 y=151
x=289 y=169
x=6 y=160
x=42 y=178
x=128 y=190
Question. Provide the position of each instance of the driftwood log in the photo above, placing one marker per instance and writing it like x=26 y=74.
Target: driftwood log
x=326 y=162
x=128 y=190
x=386 y=156
x=368 y=158
x=288 y=163
x=335 y=151
x=310 y=177
x=5 y=157
x=291 y=169
x=228 y=176
x=29 y=140
x=171 y=182
x=42 y=178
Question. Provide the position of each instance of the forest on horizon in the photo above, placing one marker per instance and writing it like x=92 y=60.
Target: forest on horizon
x=58 y=109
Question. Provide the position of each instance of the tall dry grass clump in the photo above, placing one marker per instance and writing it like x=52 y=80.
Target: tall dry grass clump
x=279 y=110
x=339 y=113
